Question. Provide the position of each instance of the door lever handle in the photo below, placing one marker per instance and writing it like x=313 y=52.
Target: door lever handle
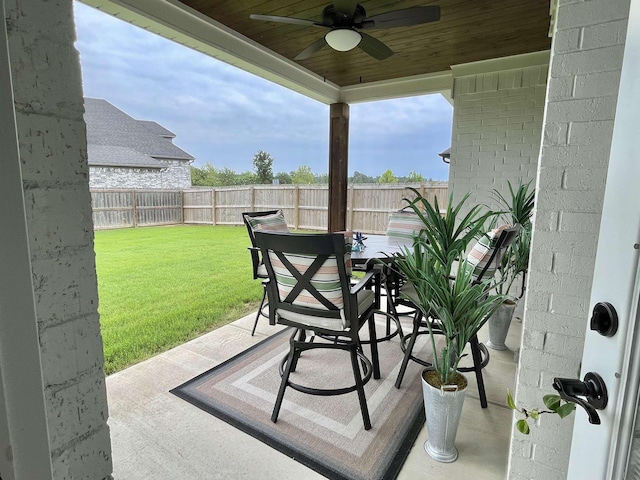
x=592 y=388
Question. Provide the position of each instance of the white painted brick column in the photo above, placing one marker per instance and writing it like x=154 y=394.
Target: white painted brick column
x=581 y=99
x=51 y=133
x=497 y=126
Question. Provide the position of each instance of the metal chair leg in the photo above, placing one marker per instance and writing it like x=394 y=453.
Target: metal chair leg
x=477 y=367
x=360 y=387
x=407 y=353
x=264 y=296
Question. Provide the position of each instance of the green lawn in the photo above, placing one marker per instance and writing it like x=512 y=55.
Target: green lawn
x=162 y=286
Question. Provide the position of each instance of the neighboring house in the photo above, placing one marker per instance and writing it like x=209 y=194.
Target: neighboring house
x=134 y=154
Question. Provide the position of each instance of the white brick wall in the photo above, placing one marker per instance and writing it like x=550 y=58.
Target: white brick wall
x=497 y=125
x=583 y=87
x=51 y=134
x=176 y=175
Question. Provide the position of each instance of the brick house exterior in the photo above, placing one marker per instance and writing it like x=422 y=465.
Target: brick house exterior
x=134 y=154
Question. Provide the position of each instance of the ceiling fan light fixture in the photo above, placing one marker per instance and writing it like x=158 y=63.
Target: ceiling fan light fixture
x=343 y=39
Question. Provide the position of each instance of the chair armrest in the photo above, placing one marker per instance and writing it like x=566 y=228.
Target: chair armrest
x=365 y=281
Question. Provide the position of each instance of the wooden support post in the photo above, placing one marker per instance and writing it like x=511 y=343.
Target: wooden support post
x=338 y=166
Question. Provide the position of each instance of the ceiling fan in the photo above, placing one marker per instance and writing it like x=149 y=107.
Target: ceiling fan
x=345 y=19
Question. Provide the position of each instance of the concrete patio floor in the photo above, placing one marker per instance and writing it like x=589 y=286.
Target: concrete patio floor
x=156 y=435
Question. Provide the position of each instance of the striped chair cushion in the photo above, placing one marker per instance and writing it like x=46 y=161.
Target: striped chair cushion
x=326 y=280
x=404 y=225
x=481 y=252
x=365 y=300
x=269 y=223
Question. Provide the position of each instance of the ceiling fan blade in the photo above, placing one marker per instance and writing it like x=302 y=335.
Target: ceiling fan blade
x=403 y=18
x=291 y=20
x=311 y=49
x=344 y=10
x=374 y=47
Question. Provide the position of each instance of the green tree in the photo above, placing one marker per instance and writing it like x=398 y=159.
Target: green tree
x=302 y=176
x=206 y=175
x=359 y=177
x=387 y=177
x=414 y=177
x=283 y=178
x=263 y=163
x=322 y=179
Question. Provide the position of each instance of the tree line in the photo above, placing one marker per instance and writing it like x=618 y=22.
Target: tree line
x=209 y=176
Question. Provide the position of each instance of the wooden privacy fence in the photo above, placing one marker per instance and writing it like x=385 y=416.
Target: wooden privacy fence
x=304 y=206
x=136 y=208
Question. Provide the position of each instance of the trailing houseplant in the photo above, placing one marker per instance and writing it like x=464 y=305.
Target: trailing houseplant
x=553 y=403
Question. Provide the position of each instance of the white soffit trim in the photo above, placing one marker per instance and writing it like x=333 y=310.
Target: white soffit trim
x=440 y=82
x=175 y=21
x=502 y=64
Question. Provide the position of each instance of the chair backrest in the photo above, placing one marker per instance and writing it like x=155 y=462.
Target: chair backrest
x=487 y=253
x=405 y=224
x=270 y=220
x=308 y=280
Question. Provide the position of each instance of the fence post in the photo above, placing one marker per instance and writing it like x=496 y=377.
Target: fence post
x=422 y=188
x=134 y=201
x=213 y=206
x=296 y=207
x=252 y=198
x=351 y=208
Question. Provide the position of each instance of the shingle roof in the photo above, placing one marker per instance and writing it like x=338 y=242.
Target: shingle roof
x=116 y=132
x=157 y=129
x=111 y=156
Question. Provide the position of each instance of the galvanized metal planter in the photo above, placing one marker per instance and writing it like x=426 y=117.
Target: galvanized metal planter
x=443 y=408
x=499 y=324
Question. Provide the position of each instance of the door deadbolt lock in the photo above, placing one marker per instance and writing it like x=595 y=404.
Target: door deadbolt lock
x=604 y=319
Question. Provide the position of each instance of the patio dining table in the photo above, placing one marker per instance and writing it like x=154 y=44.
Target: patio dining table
x=383 y=248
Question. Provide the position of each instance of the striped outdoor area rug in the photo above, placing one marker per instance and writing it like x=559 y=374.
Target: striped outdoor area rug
x=323 y=433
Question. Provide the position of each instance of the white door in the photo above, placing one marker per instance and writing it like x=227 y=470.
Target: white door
x=602 y=451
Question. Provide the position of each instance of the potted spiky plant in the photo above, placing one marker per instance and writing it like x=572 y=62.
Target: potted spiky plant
x=456 y=306
x=517 y=208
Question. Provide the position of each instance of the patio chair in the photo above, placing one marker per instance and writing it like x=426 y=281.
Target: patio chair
x=310 y=290
x=485 y=257
x=271 y=220
x=403 y=224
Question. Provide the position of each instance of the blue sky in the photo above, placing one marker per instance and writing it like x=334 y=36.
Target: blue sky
x=223 y=115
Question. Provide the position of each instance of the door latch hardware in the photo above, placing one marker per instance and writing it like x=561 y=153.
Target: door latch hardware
x=604 y=319
x=592 y=388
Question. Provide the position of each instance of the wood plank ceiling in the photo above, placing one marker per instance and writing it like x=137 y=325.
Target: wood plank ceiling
x=468 y=31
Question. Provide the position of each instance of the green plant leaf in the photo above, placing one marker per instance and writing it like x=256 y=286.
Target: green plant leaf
x=535 y=414
x=565 y=410
x=552 y=402
x=523 y=426
x=510 y=402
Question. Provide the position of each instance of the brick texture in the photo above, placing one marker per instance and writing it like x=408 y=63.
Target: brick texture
x=51 y=134
x=583 y=87
x=497 y=129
